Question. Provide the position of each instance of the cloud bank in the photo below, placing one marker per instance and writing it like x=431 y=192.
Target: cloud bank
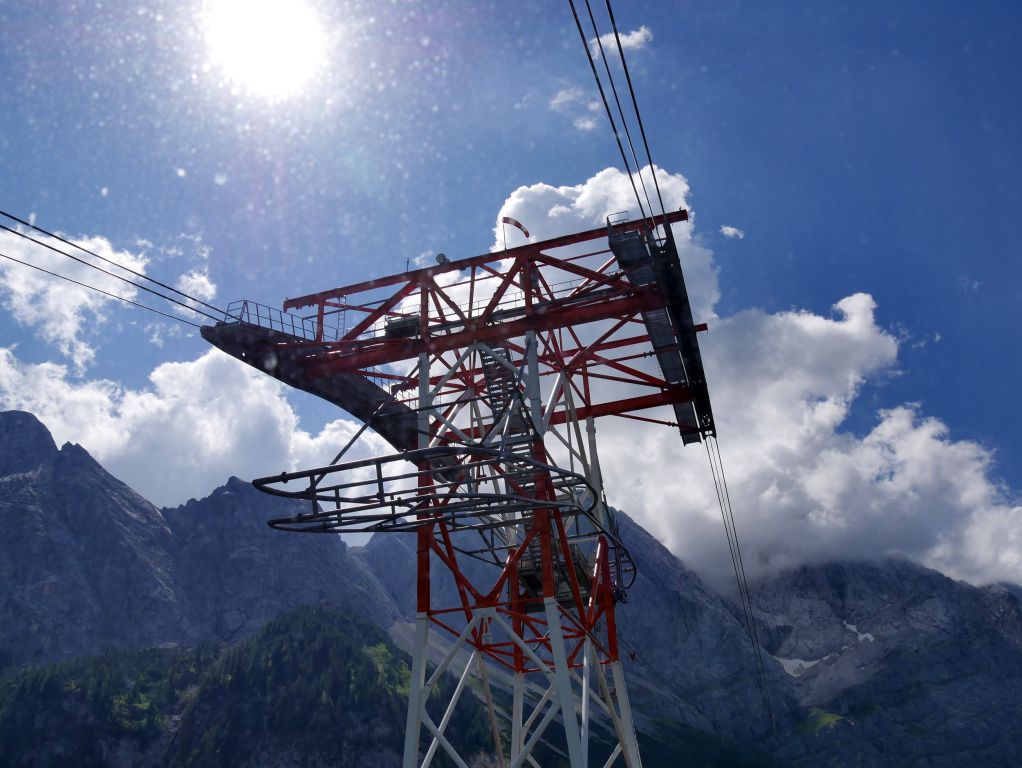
x=62 y=313
x=804 y=488
x=547 y=211
x=196 y=424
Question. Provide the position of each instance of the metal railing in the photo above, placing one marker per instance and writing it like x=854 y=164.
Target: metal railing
x=253 y=313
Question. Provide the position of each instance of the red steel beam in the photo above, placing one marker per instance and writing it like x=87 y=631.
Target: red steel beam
x=528 y=250
x=390 y=351
x=629 y=404
x=680 y=394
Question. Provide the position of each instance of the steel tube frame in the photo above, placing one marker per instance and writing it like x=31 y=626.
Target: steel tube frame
x=569 y=634
x=487 y=333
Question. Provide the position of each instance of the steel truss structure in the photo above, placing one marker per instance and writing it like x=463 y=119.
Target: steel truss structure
x=486 y=374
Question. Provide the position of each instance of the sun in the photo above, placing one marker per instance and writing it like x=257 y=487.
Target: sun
x=267 y=48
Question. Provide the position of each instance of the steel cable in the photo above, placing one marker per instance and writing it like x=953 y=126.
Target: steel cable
x=745 y=596
x=99 y=290
x=118 y=277
x=635 y=103
x=606 y=108
x=620 y=109
x=103 y=258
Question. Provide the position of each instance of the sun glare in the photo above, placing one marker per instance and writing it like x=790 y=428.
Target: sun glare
x=269 y=48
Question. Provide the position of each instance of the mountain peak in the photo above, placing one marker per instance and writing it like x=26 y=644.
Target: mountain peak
x=25 y=443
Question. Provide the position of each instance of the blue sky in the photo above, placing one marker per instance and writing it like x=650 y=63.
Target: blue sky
x=861 y=148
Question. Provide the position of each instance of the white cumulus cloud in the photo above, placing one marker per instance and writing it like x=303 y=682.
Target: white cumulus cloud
x=548 y=211
x=732 y=233
x=635 y=40
x=197 y=284
x=804 y=488
x=194 y=425
x=62 y=313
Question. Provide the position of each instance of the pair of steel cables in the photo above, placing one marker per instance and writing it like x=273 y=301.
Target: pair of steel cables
x=133 y=277
x=712 y=448
x=587 y=46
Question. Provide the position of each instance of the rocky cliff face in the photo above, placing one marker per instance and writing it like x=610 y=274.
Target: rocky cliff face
x=691 y=652
x=85 y=560
x=239 y=573
x=89 y=564
x=907 y=666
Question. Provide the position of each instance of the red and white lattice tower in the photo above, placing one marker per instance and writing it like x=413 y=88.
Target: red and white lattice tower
x=486 y=375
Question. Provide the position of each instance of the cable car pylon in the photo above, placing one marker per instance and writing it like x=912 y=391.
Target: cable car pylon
x=486 y=375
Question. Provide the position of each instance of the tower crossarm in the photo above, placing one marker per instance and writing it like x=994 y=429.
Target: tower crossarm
x=336 y=296
x=612 y=318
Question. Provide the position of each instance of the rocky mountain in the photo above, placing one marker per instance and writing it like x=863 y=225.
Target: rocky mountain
x=86 y=562
x=671 y=619
x=90 y=565
x=896 y=664
x=239 y=574
x=883 y=663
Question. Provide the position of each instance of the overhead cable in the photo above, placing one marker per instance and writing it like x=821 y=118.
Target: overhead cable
x=745 y=596
x=635 y=103
x=108 y=261
x=118 y=277
x=606 y=107
x=620 y=110
x=100 y=290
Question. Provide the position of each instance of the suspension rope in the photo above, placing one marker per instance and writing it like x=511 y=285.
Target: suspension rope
x=729 y=534
x=100 y=290
x=103 y=258
x=111 y=274
x=620 y=110
x=635 y=104
x=606 y=107
x=745 y=596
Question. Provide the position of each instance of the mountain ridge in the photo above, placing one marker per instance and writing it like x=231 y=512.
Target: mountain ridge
x=868 y=661
x=91 y=565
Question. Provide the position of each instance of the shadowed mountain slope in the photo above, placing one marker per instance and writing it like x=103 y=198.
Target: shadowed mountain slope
x=879 y=663
x=91 y=565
